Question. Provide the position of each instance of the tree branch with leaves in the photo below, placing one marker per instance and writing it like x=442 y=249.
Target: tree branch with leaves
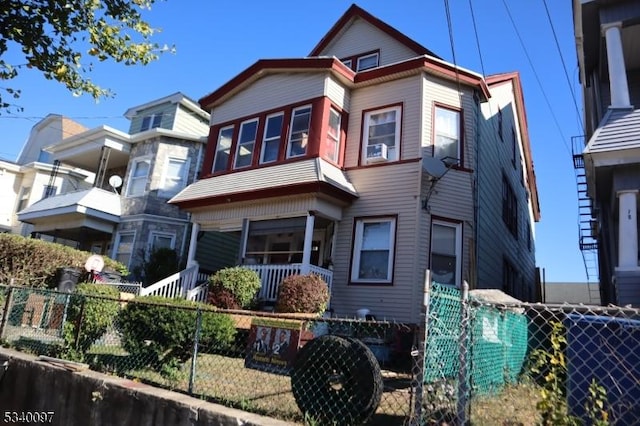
x=63 y=38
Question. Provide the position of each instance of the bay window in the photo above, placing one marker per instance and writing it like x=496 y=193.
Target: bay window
x=246 y=143
x=271 y=139
x=333 y=135
x=446 y=252
x=299 y=132
x=447 y=135
x=124 y=247
x=373 y=250
x=223 y=149
x=175 y=176
x=138 y=177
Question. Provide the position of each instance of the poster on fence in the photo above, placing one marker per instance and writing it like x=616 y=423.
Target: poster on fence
x=273 y=344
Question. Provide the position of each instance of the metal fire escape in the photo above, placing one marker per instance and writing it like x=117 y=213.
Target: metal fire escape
x=587 y=222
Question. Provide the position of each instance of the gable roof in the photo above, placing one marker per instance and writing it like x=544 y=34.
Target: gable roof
x=357 y=12
x=514 y=79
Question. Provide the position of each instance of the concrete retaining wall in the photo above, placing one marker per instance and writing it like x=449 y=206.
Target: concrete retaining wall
x=91 y=398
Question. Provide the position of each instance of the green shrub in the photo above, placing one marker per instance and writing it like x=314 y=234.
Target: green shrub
x=242 y=283
x=302 y=293
x=157 y=334
x=34 y=263
x=88 y=318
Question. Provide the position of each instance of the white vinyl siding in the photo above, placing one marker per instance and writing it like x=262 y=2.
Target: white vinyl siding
x=269 y=92
x=190 y=122
x=139 y=177
x=272 y=137
x=364 y=37
x=337 y=93
x=246 y=143
x=223 y=149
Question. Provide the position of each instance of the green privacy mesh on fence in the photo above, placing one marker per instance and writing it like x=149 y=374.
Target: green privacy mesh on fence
x=497 y=341
x=498 y=346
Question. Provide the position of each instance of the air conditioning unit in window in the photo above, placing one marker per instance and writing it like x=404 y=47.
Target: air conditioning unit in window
x=377 y=153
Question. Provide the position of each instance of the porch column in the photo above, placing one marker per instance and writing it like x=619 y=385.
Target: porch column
x=618 y=84
x=308 y=243
x=627 y=230
x=193 y=242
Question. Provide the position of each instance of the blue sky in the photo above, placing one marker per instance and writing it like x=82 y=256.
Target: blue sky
x=216 y=40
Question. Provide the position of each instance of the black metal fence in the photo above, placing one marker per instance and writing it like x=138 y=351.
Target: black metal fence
x=474 y=360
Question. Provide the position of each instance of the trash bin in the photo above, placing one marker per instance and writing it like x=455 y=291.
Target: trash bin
x=68 y=279
x=606 y=349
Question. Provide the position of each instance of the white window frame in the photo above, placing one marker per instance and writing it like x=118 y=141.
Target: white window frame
x=334 y=139
x=447 y=135
x=363 y=57
x=348 y=63
x=181 y=180
x=154 y=234
x=457 y=226
x=393 y=153
x=116 y=245
x=45 y=189
x=289 y=138
x=151 y=121
x=251 y=143
x=266 y=140
x=357 y=249
x=132 y=178
x=220 y=148
x=23 y=200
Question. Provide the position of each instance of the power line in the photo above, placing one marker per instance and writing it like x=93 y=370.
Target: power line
x=535 y=73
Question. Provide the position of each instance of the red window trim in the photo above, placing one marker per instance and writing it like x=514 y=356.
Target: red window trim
x=395 y=251
x=362 y=123
x=354 y=59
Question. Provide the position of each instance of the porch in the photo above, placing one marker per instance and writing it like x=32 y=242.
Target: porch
x=272 y=275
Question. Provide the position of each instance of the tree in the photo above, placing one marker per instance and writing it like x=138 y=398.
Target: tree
x=57 y=37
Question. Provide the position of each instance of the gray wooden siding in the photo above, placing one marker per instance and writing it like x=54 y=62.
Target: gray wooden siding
x=363 y=37
x=270 y=92
x=337 y=93
x=389 y=190
x=405 y=92
x=217 y=250
x=168 y=111
x=187 y=121
x=495 y=242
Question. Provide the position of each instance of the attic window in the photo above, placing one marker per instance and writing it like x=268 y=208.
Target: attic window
x=151 y=122
x=362 y=61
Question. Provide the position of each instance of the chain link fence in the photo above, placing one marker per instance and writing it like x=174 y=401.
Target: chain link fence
x=478 y=358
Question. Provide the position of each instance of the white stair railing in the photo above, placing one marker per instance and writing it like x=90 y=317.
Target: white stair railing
x=199 y=293
x=176 y=285
x=272 y=275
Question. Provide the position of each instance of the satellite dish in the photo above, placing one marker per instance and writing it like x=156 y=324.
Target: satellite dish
x=434 y=167
x=115 y=181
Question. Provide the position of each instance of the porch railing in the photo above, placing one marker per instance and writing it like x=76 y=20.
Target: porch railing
x=272 y=275
x=199 y=293
x=176 y=285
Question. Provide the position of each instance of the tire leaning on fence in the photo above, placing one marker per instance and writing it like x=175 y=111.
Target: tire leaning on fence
x=336 y=381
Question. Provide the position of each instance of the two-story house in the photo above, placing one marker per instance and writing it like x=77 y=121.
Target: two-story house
x=368 y=162
x=34 y=175
x=607 y=34
x=124 y=212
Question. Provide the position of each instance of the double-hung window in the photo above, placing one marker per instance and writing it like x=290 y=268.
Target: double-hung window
x=271 y=140
x=223 y=149
x=124 y=247
x=175 y=176
x=151 y=122
x=446 y=252
x=299 y=133
x=138 y=178
x=382 y=134
x=509 y=207
x=333 y=136
x=447 y=135
x=367 y=62
x=160 y=240
x=373 y=250
x=24 y=198
x=246 y=143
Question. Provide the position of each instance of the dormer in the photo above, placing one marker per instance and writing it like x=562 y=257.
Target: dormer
x=363 y=42
x=174 y=112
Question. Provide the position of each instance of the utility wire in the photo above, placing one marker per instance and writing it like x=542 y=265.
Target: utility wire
x=475 y=31
x=564 y=65
x=535 y=73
